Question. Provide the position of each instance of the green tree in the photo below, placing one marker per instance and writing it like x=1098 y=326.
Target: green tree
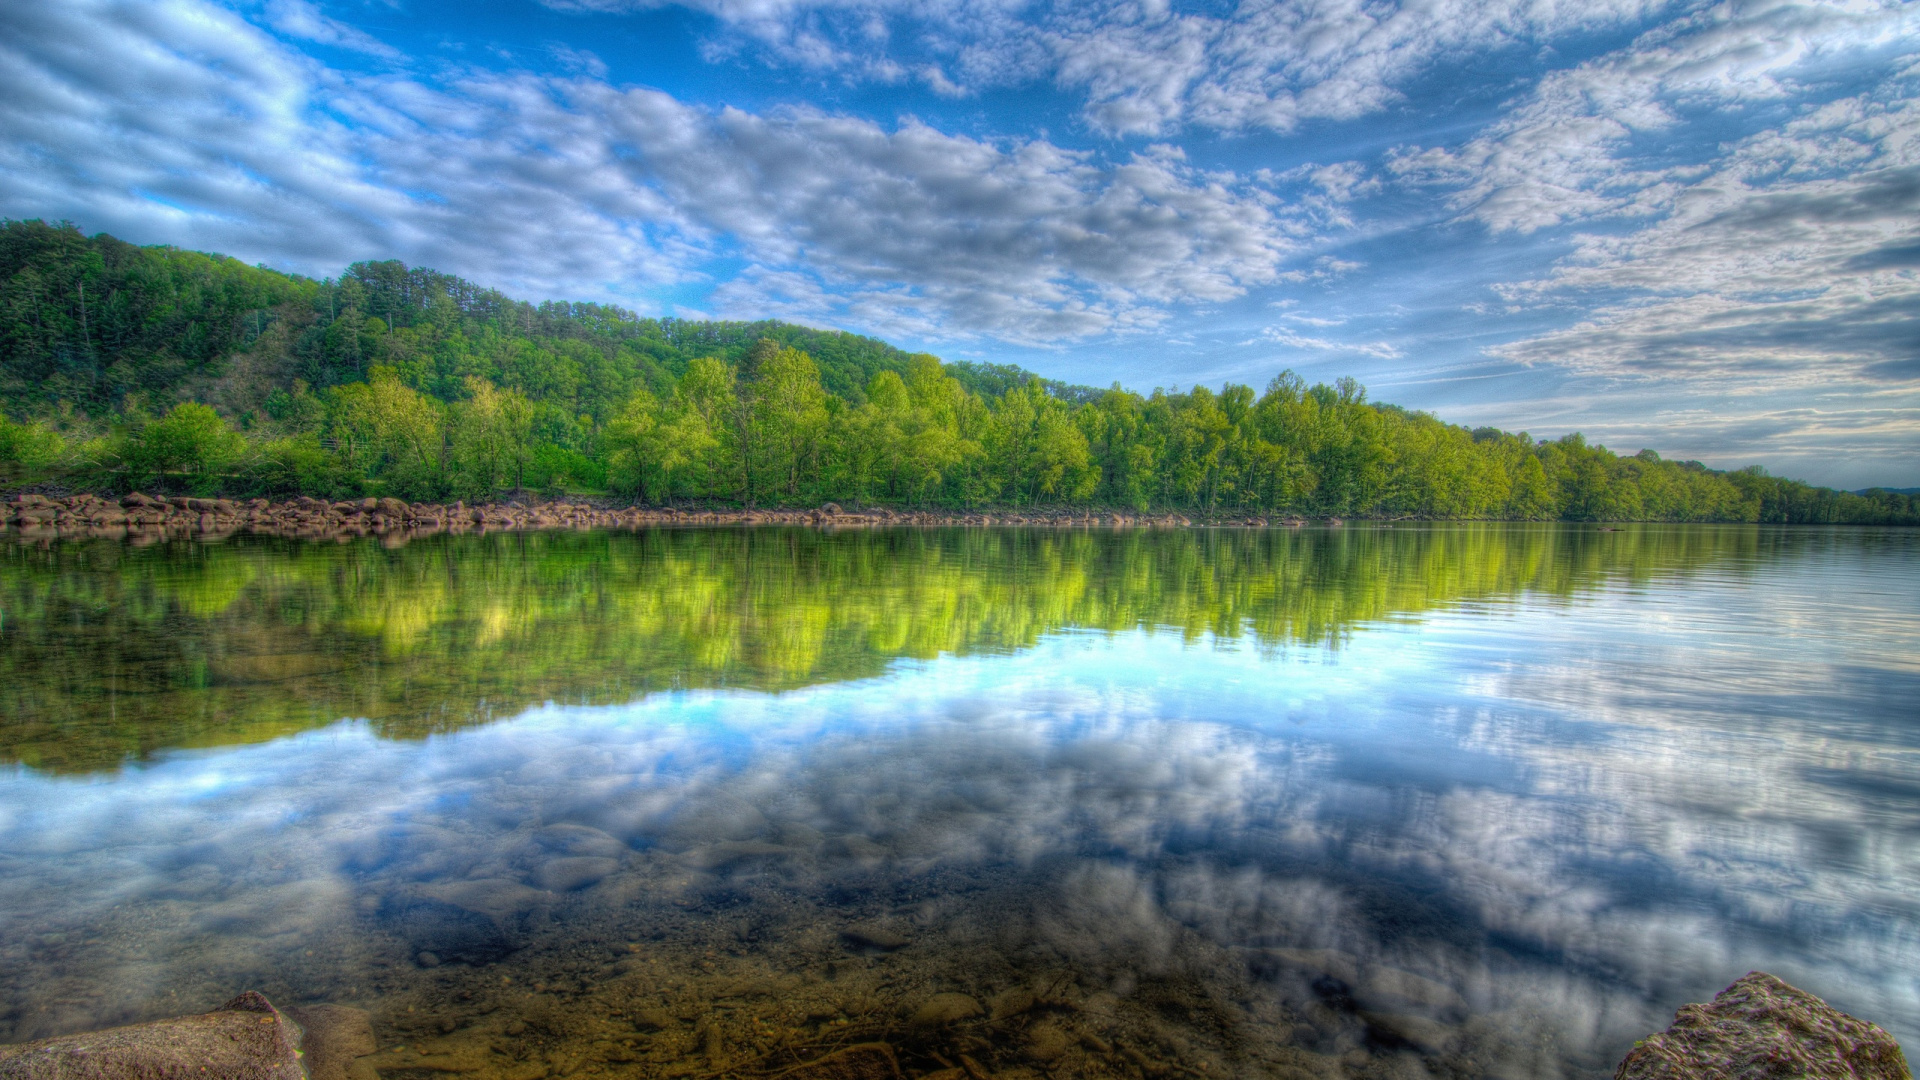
x=192 y=442
x=491 y=440
x=788 y=420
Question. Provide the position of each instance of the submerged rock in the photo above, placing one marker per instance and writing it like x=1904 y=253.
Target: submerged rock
x=245 y=1039
x=1762 y=1028
x=572 y=872
x=335 y=1038
x=943 y=1009
x=876 y=936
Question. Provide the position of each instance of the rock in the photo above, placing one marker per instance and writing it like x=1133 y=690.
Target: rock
x=496 y=898
x=943 y=1009
x=875 y=935
x=1046 y=1041
x=394 y=509
x=335 y=1038
x=1392 y=986
x=729 y=852
x=1762 y=1028
x=1418 y=1031
x=454 y=934
x=1013 y=1001
x=135 y=500
x=245 y=1039
x=573 y=872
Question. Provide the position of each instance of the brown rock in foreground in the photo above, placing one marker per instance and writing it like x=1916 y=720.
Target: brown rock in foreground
x=245 y=1039
x=1762 y=1028
x=335 y=1038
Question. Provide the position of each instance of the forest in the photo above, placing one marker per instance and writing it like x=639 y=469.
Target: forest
x=125 y=367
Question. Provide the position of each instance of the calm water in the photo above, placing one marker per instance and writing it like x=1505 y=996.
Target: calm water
x=1450 y=801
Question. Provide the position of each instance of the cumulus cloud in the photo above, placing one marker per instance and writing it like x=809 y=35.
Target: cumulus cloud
x=1790 y=261
x=1736 y=230
x=1565 y=152
x=1142 y=67
x=567 y=185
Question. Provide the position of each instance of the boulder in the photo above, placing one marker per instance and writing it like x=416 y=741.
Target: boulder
x=245 y=1039
x=941 y=1010
x=1760 y=1028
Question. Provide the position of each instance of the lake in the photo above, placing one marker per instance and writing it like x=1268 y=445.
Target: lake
x=1367 y=802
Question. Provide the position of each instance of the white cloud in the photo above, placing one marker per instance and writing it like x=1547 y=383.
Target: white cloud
x=1293 y=339
x=1323 y=269
x=300 y=19
x=1795 y=260
x=1565 y=153
x=565 y=186
x=1144 y=68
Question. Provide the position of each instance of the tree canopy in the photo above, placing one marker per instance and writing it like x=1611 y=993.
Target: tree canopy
x=123 y=365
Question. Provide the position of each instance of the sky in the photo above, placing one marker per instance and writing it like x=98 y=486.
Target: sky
x=1693 y=227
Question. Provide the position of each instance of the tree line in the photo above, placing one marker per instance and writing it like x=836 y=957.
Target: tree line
x=129 y=366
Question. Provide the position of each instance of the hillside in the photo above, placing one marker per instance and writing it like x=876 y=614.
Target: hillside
x=124 y=366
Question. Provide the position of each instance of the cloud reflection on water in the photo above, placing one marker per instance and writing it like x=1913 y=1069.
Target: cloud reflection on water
x=1573 y=817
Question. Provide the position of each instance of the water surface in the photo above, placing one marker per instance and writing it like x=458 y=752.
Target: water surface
x=1450 y=801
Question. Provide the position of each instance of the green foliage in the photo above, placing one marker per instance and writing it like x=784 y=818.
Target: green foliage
x=192 y=442
x=556 y=470
x=300 y=465
x=28 y=452
x=111 y=652
x=414 y=383
x=92 y=320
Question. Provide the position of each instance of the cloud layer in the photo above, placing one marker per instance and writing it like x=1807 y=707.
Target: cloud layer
x=1589 y=206
x=186 y=121
x=1142 y=67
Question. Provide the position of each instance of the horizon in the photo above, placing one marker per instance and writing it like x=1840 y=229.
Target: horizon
x=1684 y=227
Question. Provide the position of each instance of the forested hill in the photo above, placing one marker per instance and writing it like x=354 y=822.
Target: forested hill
x=126 y=366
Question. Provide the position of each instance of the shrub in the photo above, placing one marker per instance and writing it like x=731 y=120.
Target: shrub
x=29 y=451
x=192 y=441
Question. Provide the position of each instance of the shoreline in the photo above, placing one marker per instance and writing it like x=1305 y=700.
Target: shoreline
x=137 y=516
x=147 y=518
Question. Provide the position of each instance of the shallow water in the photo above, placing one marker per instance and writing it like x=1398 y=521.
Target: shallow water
x=1451 y=801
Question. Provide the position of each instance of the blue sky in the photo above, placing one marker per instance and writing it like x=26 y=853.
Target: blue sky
x=1689 y=226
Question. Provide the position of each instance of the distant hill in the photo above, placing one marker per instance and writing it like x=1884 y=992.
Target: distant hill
x=1889 y=491
x=125 y=367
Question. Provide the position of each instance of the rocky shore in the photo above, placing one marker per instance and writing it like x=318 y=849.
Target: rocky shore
x=1757 y=1029
x=138 y=516
x=245 y=1039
